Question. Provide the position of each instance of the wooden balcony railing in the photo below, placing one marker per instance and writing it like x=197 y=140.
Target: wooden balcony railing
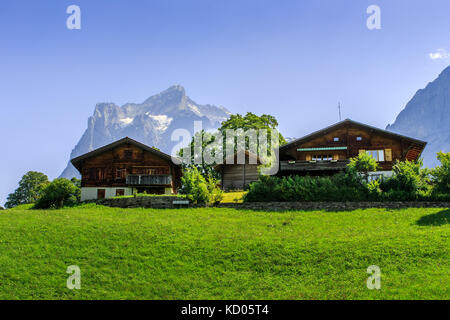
x=139 y=180
x=313 y=165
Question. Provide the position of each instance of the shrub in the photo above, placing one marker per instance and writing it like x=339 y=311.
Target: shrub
x=340 y=187
x=59 y=193
x=374 y=190
x=409 y=180
x=199 y=189
x=441 y=174
x=363 y=163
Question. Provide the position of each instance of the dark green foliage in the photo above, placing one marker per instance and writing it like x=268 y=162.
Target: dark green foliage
x=199 y=189
x=408 y=182
x=29 y=190
x=441 y=174
x=363 y=163
x=340 y=187
x=59 y=193
x=247 y=122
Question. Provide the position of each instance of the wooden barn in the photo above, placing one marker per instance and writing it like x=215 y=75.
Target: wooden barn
x=236 y=175
x=124 y=167
x=328 y=150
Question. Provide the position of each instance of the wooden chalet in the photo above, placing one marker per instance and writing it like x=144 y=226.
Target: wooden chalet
x=328 y=151
x=124 y=167
x=236 y=175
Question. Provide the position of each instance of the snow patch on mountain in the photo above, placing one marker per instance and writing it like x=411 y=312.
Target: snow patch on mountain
x=151 y=122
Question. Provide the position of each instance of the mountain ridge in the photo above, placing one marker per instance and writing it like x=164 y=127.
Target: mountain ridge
x=150 y=122
x=427 y=116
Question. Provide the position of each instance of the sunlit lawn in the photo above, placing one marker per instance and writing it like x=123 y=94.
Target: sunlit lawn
x=216 y=253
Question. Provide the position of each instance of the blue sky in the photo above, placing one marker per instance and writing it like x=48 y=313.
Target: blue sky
x=292 y=59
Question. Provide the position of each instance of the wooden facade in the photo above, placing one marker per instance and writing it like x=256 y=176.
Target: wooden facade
x=237 y=176
x=329 y=150
x=128 y=165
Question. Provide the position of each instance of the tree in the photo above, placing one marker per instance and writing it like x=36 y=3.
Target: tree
x=29 y=190
x=363 y=163
x=408 y=182
x=441 y=174
x=198 y=188
x=59 y=193
x=235 y=122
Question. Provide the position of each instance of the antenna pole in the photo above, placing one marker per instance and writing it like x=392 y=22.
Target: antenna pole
x=339 y=107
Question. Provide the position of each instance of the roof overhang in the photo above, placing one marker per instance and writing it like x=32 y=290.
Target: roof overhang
x=77 y=162
x=322 y=149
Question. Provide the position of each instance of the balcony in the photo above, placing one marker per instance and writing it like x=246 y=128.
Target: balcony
x=148 y=180
x=324 y=165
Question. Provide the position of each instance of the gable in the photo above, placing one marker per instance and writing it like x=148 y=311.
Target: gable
x=348 y=137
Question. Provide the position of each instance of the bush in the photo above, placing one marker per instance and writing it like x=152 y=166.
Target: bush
x=59 y=193
x=408 y=182
x=363 y=163
x=340 y=187
x=441 y=174
x=199 y=189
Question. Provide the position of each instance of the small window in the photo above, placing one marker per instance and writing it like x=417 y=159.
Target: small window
x=128 y=154
x=335 y=139
x=376 y=154
x=101 y=193
x=121 y=173
x=120 y=192
x=358 y=138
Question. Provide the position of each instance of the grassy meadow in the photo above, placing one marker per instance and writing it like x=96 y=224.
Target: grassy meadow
x=216 y=253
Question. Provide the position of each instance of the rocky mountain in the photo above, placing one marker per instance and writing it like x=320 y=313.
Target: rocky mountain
x=151 y=122
x=427 y=117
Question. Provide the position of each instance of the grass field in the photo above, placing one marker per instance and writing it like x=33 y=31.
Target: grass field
x=233 y=197
x=224 y=253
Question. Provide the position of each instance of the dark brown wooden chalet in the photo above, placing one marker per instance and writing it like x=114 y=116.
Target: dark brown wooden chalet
x=328 y=150
x=236 y=176
x=124 y=167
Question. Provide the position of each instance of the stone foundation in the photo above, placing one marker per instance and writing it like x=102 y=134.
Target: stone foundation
x=166 y=202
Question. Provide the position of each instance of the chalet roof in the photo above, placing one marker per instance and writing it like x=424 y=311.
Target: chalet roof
x=355 y=123
x=77 y=161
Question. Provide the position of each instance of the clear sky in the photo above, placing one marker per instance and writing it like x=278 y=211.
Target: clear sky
x=292 y=59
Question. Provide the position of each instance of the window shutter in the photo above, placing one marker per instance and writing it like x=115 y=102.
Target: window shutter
x=388 y=154
x=362 y=151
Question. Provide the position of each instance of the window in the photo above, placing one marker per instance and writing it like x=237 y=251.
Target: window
x=322 y=157
x=128 y=154
x=120 y=192
x=335 y=139
x=100 y=193
x=121 y=173
x=376 y=154
x=358 y=138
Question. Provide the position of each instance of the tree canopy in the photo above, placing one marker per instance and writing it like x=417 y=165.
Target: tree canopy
x=29 y=190
x=236 y=122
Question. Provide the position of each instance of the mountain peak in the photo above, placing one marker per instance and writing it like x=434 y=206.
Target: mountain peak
x=426 y=117
x=175 y=89
x=151 y=122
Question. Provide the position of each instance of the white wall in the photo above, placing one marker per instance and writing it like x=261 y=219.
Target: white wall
x=90 y=193
x=375 y=174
